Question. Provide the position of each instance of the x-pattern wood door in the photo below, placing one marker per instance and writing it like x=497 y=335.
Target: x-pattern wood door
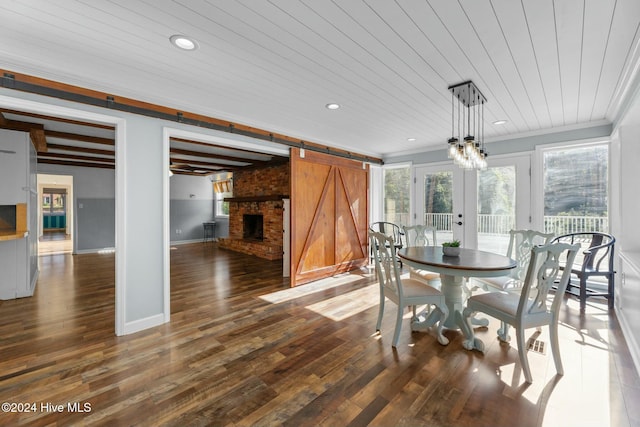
x=329 y=215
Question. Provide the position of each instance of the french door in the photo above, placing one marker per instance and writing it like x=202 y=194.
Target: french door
x=439 y=200
x=477 y=207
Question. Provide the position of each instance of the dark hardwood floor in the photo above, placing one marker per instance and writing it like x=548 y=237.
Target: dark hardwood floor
x=243 y=349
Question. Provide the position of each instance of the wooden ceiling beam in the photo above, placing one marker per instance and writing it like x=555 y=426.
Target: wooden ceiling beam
x=214 y=156
x=77 y=137
x=38 y=140
x=70 y=163
x=179 y=172
x=75 y=157
x=224 y=147
x=33 y=84
x=72 y=148
x=195 y=168
x=36 y=131
x=203 y=163
x=19 y=126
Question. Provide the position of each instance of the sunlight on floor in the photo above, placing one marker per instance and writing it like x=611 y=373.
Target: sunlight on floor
x=310 y=288
x=582 y=397
x=346 y=305
x=52 y=247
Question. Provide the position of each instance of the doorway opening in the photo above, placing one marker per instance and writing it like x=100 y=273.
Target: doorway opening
x=55 y=212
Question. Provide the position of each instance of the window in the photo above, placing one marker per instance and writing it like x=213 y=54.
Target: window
x=576 y=196
x=396 y=195
x=222 y=207
x=54 y=209
x=223 y=189
x=496 y=207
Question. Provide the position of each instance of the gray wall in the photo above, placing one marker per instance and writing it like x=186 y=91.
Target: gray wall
x=94 y=205
x=507 y=146
x=191 y=203
x=222 y=226
x=95 y=224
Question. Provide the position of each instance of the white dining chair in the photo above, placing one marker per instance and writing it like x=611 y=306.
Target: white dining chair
x=530 y=308
x=404 y=292
x=422 y=235
x=520 y=244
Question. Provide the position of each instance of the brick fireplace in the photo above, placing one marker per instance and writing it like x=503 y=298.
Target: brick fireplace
x=256 y=211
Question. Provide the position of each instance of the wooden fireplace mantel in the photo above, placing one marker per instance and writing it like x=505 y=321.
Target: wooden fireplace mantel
x=270 y=198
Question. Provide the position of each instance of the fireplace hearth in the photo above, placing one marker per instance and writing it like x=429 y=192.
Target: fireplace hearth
x=252 y=227
x=256 y=211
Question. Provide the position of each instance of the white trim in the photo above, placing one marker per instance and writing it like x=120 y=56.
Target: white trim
x=436 y=164
x=397 y=165
x=573 y=143
x=186 y=242
x=119 y=123
x=376 y=190
x=142 y=324
x=94 y=251
x=628 y=330
x=627 y=91
x=166 y=234
x=121 y=228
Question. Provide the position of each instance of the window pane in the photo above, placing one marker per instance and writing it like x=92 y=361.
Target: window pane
x=496 y=207
x=396 y=195
x=576 y=189
x=222 y=207
x=58 y=203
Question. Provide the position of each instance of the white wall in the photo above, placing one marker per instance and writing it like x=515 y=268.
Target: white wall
x=628 y=236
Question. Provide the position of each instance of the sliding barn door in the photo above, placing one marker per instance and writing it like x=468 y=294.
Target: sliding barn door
x=329 y=211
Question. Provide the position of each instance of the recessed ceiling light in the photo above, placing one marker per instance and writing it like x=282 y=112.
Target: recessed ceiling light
x=499 y=122
x=183 y=42
x=411 y=139
x=332 y=106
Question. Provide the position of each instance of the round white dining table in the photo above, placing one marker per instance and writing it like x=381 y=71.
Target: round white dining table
x=453 y=270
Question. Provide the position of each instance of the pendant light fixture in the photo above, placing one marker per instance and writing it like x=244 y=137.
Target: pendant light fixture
x=467 y=119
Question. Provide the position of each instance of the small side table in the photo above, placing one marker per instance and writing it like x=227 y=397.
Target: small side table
x=209 y=228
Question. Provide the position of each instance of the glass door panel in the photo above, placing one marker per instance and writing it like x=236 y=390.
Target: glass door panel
x=439 y=201
x=477 y=207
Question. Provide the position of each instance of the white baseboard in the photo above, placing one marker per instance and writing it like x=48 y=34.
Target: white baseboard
x=142 y=324
x=95 y=251
x=184 y=242
x=632 y=343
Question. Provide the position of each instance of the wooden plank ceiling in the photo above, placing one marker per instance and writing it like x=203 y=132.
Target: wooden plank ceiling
x=544 y=65
x=73 y=143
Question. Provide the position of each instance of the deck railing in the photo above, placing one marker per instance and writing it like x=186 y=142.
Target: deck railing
x=573 y=224
x=501 y=224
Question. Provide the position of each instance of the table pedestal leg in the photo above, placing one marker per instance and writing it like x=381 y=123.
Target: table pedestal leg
x=453 y=297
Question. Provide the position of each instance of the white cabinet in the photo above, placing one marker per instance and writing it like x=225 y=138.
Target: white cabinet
x=18 y=247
